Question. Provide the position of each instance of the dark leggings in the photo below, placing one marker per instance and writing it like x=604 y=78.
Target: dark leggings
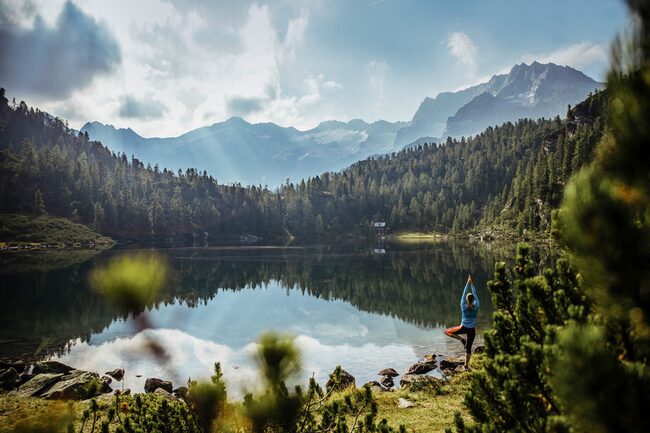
x=460 y=329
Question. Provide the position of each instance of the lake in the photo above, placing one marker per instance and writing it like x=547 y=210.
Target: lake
x=364 y=307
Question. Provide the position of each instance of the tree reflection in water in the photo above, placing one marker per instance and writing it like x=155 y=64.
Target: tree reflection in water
x=46 y=301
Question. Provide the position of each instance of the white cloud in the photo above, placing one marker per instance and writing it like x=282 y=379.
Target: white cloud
x=589 y=57
x=296 y=31
x=192 y=356
x=582 y=55
x=377 y=78
x=202 y=73
x=463 y=50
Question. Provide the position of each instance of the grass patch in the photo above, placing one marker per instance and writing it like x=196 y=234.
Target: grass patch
x=35 y=260
x=38 y=415
x=419 y=236
x=434 y=409
x=44 y=231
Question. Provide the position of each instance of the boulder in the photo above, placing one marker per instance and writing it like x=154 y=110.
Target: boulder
x=117 y=374
x=9 y=379
x=460 y=369
x=340 y=380
x=72 y=374
x=51 y=367
x=403 y=403
x=77 y=386
x=165 y=394
x=451 y=363
x=19 y=366
x=430 y=357
x=376 y=386
x=416 y=380
x=24 y=377
x=389 y=372
x=106 y=384
x=153 y=383
x=37 y=384
x=421 y=368
x=387 y=382
x=180 y=392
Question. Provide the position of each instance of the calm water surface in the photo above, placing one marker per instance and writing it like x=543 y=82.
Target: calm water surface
x=363 y=307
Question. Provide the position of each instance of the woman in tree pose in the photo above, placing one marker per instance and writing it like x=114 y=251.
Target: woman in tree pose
x=469 y=306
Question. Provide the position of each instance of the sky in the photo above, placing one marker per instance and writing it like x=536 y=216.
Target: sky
x=164 y=67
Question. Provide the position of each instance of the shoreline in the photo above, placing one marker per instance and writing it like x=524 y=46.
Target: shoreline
x=19 y=377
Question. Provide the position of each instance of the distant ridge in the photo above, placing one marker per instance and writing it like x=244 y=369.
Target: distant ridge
x=533 y=91
x=252 y=154
x=268 y=154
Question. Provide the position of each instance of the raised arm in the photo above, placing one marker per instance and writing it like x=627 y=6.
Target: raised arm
x=463 y=302
x=476 y=303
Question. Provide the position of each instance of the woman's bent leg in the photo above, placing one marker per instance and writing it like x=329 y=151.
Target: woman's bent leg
x=453 y=332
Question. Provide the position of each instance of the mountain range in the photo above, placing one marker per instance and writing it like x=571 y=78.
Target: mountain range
x=268 y=154
x=253 y=154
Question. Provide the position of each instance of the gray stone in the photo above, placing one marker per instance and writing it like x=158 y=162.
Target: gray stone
x=117 y=374
x=9 y=379
x=430 y=357
x=106 y=384
x=75 y=387
x=24 y=377
x=344 y=381
x=20 y=366
x=409 y=380
x=181 y=392
x=165 y=394
x=153 y=383
x=72 y=374
x=376 y=386
x=387 y=382
x=421 y=368
x=460 y=369
x=389 y=372
x=403 y=403
x=37 y=384
x=451 y=363
x=51 y=367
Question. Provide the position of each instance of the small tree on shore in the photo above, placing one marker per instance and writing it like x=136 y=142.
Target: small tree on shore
x=512 y=392
x=550 y=365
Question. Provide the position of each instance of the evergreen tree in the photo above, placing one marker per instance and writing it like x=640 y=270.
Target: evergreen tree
x=605 y=223
x=561 y=358
x=512 y=392
x=39 y=203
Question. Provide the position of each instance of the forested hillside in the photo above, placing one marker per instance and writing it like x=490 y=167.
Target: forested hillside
x=510 y=176
x=45 y=168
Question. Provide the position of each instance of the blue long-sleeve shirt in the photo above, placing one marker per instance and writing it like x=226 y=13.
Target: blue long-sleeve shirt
x=469 y=314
